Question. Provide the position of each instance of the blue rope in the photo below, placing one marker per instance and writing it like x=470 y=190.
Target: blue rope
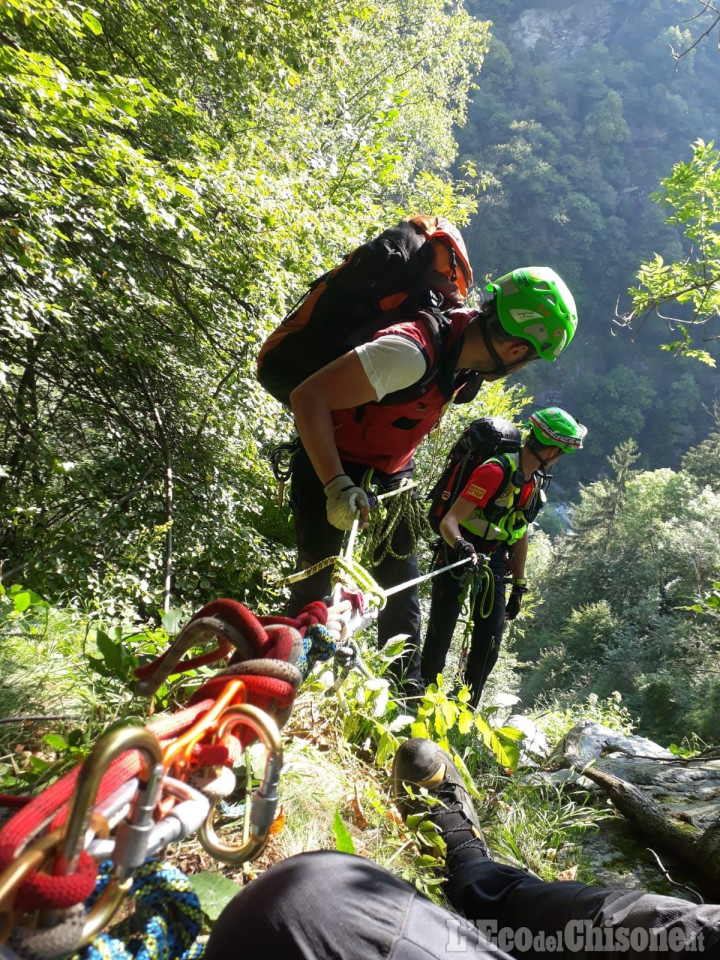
x=166 y=923
x=318 y=645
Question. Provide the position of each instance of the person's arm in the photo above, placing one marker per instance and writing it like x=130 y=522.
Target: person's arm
x=338 y=386
x=519 y=558
x=450 y=523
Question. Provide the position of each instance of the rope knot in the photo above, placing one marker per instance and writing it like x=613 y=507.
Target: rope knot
x=312 y=613
x=318 y=645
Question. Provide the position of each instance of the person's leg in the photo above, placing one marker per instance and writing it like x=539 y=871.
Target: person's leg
x=401 y=614
x=316 y=539
x=515 y=908
x=332 y=906
x=577 y=920
x=487 y=634
x=444 y=612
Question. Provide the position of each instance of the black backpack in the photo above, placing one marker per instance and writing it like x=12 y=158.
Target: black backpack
x=374 y=286
x=482 y=440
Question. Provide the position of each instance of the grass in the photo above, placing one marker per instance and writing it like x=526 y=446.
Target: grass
x=338 y=751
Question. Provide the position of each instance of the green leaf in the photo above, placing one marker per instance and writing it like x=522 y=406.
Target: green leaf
x=214 y=891
x=465 y=722
x=506 y=751
x=55 y=741
x=394 y=648
x=419 y=730
x=38 y=764
x=91 y=21
x=512 y=733
x=171 y=621
x=111 y=652
x=343 y=840
x=23 y=599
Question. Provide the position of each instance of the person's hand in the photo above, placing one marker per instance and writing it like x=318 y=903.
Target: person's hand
x=512 y=608
x=345 y=502
x=463 y=549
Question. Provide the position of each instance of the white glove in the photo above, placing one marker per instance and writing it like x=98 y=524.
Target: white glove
x=344 y=501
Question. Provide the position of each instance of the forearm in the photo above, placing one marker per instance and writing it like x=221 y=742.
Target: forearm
x=518 y=558
x=313 y=421
x=450 y=524
x=450 y=529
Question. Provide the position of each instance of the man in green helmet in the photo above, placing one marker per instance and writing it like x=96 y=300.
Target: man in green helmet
x=368 y=410
x=491 y=516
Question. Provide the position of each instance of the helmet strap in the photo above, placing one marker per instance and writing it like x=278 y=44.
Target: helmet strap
x=500 y=367
x=535 y=448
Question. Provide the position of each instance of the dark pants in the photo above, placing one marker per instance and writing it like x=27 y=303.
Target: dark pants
x=317 y=539
x=486 y=632
x=333 y=906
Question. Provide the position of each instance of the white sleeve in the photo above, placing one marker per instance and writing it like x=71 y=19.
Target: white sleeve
x=391 y=363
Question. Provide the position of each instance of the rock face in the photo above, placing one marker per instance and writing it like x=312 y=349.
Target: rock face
x=674 y=801
x=535 y=744
x=566 y=30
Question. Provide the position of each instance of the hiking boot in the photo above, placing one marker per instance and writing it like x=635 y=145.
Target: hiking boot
x=422 y=763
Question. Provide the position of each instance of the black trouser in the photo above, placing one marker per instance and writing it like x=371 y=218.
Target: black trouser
x=444 y=611
x=334 y=906
x=317 y=539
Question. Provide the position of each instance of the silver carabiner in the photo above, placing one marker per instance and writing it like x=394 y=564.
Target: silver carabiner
x=264 y=798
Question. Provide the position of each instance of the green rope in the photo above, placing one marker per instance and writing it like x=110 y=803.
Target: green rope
x=384 y=520
x=480 y=576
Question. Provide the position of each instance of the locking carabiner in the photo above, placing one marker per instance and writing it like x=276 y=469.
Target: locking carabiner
x=264 y=798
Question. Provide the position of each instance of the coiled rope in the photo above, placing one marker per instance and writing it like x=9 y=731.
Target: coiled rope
x=385 y=519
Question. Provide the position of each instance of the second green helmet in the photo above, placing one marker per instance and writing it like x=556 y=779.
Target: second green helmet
x=535 y=304
x=556 y=428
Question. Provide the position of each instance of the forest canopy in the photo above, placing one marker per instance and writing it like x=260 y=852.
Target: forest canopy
x=168 y=191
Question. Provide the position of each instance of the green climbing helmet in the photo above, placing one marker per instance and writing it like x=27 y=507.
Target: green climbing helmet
x=556 y=428
x=535 y=304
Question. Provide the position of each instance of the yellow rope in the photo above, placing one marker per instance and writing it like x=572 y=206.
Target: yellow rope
x=347 y=573
x=384 y=520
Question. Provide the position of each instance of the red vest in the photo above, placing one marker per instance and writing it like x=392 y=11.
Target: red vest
x=385 y=436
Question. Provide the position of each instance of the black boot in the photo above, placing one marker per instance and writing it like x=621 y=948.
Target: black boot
x=422 y=763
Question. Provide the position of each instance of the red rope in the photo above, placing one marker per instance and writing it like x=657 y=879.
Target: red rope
x=51 y=806
x=12 y=802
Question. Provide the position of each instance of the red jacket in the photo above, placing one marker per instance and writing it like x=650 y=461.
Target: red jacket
x=386 y=435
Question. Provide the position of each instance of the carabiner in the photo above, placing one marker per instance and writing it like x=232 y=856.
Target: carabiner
x=195 y=633
x=112 y=745
x=178 y=753
x=132 y=833
x=264 y=798
x=30 y=860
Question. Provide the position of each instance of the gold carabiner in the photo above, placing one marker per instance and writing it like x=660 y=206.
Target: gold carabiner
x=264 y=799
x=31 y=860
x=71 y=843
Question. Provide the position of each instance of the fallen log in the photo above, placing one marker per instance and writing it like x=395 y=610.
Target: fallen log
x=674 y=802
x=701 y=848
